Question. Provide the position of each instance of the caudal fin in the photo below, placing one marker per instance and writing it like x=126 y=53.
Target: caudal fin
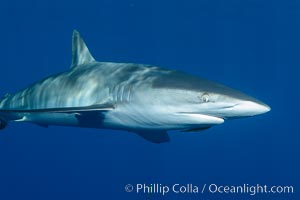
x=3 y=120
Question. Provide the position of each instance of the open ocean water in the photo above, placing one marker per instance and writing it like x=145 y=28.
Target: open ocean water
x=250 y=45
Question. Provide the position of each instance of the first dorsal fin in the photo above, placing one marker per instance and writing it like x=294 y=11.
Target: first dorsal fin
x=80 y=52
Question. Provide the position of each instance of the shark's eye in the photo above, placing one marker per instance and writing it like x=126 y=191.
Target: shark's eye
x=205 y=98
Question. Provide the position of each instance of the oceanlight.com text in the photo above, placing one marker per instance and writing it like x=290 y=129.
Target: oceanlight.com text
x=176 y=188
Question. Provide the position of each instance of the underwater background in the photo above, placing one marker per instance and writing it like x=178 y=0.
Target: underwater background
x=250 y=45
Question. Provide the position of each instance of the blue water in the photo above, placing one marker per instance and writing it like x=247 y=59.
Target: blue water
x=253 y=46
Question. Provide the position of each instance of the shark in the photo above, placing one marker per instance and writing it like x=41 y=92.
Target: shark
x=144 y=99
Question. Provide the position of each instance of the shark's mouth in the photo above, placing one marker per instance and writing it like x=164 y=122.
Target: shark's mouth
x=202 y=118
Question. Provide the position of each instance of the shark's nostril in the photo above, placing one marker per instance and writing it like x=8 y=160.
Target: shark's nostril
x=231 y=106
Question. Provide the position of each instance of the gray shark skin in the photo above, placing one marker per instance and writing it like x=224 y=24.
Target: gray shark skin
x=143 y=99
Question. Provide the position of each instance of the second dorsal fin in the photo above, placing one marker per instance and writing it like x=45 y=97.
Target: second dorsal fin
x=80 y=52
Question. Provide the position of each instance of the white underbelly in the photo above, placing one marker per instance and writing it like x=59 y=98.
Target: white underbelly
x=123 y=117
x=146 y=118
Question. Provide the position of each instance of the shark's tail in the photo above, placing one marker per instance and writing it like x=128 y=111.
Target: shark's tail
x=3 y=121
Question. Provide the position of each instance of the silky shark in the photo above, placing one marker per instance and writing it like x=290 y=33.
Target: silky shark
x=144 y=99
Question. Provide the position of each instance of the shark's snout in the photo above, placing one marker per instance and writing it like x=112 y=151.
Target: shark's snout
x=251 y=108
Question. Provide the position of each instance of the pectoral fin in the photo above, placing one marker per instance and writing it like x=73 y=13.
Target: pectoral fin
x=154 y=136
x=3 y=123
